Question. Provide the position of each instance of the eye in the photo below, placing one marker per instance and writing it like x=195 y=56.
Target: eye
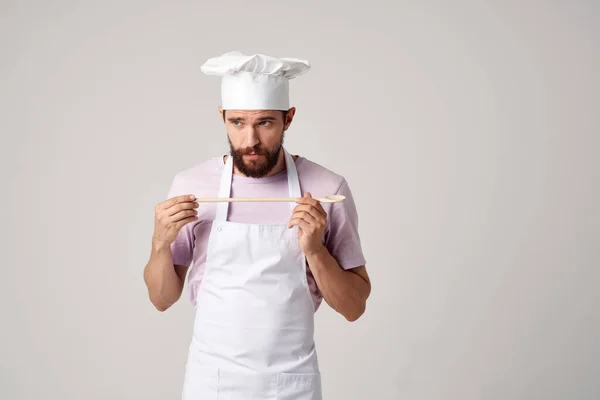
x=264 y=123
x=236 y=123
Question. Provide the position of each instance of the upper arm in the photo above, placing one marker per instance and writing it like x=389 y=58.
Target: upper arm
x=343 y=239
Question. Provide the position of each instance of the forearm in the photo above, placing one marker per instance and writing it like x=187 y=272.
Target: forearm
x=164 y=285
x=345 y=291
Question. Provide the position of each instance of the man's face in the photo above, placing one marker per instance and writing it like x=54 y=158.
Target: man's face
x=255 y=139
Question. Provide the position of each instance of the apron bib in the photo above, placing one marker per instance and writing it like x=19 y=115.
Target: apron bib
x=254 y=323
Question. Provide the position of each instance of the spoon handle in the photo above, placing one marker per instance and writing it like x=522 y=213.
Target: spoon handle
x=246 y=199
x=263 y=199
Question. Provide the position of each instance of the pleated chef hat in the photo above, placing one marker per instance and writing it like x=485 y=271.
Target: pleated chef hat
x=254 y=82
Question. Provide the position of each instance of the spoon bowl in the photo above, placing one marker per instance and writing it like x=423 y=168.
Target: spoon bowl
x=334 y=198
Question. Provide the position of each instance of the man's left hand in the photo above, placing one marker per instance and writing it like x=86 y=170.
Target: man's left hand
x=311 y=219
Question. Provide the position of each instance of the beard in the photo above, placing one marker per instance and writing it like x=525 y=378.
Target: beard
x=256 y=168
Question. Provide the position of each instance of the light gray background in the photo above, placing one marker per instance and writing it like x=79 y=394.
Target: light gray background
x=468 y=132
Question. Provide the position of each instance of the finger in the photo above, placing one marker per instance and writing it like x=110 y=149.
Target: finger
x=294 y=220
x=175 y=200
x=185 y=221
x=182 y=215
x=314 y=215
x=305 y=198
x=319 y=207
x=302 y=224
x=311 y=202
x=311 y=215
x=188 y=205
x=304 y=218
x=315 y=211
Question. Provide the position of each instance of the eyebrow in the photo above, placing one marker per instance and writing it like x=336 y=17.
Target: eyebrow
x=267 y=118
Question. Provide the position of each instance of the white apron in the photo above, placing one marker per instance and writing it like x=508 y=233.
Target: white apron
x=254 y=324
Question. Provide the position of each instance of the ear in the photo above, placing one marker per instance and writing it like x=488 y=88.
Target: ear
x=221 y=111
x=289 y=116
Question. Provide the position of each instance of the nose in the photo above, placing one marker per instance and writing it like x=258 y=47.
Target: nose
x=252 y=137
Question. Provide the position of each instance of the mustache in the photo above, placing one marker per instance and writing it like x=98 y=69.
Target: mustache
x=252 y=150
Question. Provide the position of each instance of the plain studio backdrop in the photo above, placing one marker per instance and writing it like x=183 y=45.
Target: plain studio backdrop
x=468 y=132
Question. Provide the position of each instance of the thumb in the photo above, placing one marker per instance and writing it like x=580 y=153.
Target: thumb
x=307 y=195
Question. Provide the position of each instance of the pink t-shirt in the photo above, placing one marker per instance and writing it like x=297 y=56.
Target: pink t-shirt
x=341 y=235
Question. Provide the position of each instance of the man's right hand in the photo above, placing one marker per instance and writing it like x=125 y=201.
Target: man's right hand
x=170 y=216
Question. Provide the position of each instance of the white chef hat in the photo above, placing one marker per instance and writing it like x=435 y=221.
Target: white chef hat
x=254 y=82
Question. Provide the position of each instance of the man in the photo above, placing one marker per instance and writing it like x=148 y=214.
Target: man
x=259 y=270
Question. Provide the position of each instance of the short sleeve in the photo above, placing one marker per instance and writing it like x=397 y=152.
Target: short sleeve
x=182 y=248
x=343 y=239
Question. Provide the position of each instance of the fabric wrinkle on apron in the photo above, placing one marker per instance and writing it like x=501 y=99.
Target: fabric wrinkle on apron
x=254 y=323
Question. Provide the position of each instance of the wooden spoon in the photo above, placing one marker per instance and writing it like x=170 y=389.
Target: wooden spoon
x=336 y=198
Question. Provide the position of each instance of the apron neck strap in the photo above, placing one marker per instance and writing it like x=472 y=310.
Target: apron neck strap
x=227 y=177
